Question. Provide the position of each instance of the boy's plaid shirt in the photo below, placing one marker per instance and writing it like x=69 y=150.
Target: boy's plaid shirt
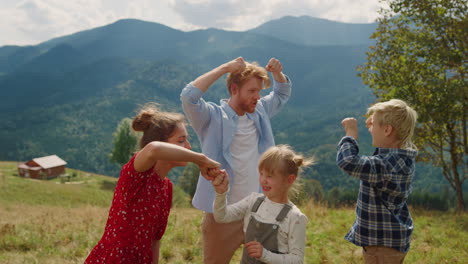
x=382 y=215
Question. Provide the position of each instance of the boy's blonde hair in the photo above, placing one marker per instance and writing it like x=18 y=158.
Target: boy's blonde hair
x=283 y=160
x=251 y=70
x=400 y=116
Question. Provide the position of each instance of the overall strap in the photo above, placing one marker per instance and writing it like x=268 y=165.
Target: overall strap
x=258 y=203
x=282 y=214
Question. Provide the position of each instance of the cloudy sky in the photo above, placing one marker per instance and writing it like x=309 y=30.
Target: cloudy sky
x=29 y=22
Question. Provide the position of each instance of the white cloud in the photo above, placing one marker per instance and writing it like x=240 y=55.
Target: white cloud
x=358 y=11
x=33 y=21
x=246 y=14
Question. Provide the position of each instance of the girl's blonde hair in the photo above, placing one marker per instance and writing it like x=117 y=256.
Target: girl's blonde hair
x=251 y=70
x=400 y=116
x=155 y=124
x=283 y=160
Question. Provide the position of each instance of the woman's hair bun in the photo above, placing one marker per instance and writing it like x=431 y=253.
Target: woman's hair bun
x=145 y=118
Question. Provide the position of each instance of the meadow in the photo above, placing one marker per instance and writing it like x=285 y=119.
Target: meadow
x=57 y=221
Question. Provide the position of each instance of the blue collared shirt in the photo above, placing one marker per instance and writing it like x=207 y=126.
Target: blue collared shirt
x=382 y=215
x=216 y=125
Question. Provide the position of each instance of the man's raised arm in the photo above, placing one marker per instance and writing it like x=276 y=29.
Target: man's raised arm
x=274 y=66
x=206 y=80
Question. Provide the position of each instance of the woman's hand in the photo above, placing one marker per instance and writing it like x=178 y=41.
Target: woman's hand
x=208 y=167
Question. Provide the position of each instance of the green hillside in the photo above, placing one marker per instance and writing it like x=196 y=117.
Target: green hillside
x=59 y=222
x=81 y=189
x=317 y=31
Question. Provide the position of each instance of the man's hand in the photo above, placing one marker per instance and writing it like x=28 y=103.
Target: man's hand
x=235 y=66
x=221 y=182
x=254 y=249
x=204 y=81
x=274 y=66
x=350 y=126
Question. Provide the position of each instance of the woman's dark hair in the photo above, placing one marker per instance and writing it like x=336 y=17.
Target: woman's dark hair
x=155 y=124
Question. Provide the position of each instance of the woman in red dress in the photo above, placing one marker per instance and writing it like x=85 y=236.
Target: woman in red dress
x=142 y=199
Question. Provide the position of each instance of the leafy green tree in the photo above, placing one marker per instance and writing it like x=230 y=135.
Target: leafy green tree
x=188 y=180
x=420 y=56
x=125 y=142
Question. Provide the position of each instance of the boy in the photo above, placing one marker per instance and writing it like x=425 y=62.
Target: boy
x=383 y=224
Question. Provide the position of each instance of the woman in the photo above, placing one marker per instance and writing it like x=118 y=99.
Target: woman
x=142 y=199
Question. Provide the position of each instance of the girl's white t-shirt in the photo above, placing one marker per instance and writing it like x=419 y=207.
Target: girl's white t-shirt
x=291 y=233
x=245 y=156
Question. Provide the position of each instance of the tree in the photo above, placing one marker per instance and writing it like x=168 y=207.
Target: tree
x=420 y=56
x=188 y=180
x=125 y=142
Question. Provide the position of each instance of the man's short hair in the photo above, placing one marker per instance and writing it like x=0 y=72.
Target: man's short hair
x=251 y=70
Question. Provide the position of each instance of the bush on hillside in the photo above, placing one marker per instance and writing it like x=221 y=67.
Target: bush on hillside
x=180 y=198
x=308 y=189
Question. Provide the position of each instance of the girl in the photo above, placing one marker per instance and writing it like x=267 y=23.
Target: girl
x=274 y=227
x=142 y=199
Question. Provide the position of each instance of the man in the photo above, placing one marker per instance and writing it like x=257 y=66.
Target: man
x=234 y=133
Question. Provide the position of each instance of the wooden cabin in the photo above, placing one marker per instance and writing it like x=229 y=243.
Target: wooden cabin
x=42 y=168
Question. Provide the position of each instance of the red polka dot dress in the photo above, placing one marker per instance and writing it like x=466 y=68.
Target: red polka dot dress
x=138 y=215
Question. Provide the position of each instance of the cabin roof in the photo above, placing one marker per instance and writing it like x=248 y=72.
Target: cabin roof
x=50 y=161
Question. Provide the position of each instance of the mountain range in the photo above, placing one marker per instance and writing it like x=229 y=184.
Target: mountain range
x=66 y=96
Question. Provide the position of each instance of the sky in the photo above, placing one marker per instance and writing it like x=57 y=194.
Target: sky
x=30 y=22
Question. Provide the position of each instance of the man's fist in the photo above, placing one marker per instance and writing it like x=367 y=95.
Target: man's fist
x=274 y=66
x=236 y=65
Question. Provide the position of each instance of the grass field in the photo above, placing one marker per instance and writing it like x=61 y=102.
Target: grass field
x=53 y=222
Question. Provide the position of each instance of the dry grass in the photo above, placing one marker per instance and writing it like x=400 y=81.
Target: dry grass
x=47 y=234
x=46 y=222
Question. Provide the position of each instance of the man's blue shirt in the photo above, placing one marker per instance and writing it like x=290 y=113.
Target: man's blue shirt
x=382 y=215
x=216 y=125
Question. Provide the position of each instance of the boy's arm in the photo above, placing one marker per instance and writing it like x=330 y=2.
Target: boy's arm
x=350 y=126
x=370 y=169
x=296 y=244
x=367 y=168
x=275 y=100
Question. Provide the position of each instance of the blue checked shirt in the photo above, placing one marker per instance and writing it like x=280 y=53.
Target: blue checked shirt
x=382 y=215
